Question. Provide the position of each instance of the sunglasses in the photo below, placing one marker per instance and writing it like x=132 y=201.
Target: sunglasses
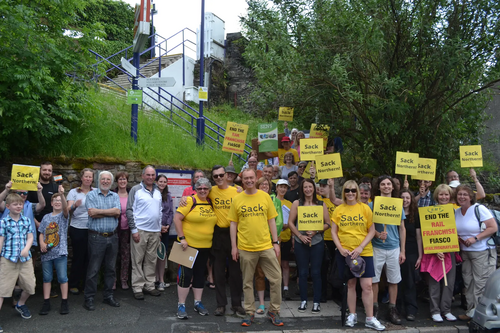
x=202 y=189
x=353 y=190
x=218 y=176
x=22 y=193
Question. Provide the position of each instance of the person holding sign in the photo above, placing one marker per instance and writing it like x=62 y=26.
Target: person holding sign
x=195 y=224
x=352 y=232
x=475 y=225
x=388 y=250
x=285 y=143
x=453 y=176
x=309 y=244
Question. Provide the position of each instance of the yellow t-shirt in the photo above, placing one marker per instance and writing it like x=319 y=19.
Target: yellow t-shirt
x=353 y=223
x=281 y=154
x=251 y=212
x=198 y=224
x=287 y=233
x=331 y=209
x=455 y=206
x=221 y=200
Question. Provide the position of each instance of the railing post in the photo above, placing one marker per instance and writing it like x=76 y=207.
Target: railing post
x=183 y=60
x=200 y=123
x=135 y=107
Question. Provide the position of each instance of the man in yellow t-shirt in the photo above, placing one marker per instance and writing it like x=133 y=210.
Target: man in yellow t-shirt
x=252 y=215
x=222 y=197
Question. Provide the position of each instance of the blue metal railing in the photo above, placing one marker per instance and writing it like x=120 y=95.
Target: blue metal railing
x=178 y=108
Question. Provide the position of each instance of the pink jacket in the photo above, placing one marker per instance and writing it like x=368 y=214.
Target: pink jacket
x=431 y=264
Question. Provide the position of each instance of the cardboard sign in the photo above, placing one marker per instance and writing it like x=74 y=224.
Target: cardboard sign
x=236 y=136
x=471 y=157
x=285 y=113
x=439 y=231
x=203 y=94
x=310 y=148
x=268 y=137
x=25 y=177
x=387 y=210
x=134 y=97
x=406 y=163
x=426 y=169
x=329 y=166
x=310 y=218
x=319 y=131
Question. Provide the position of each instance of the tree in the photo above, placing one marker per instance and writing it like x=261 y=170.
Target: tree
x=390 y=75
x=40 y=60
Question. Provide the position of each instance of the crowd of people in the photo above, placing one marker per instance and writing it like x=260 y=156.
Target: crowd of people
x=244 y=235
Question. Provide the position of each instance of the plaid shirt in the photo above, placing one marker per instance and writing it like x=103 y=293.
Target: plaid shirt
x=15 y=234
x=96 y=199
x=426 y=200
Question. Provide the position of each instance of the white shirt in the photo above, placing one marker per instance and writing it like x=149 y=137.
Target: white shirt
x=468 y=226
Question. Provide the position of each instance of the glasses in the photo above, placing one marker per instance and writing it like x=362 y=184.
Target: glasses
x=302 y=166
x=218 y=176
x=353 y=190
x=202 y=189
x=22 y=193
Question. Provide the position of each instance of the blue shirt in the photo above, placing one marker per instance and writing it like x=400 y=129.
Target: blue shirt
x=96 y=199
x=392 y=241
x=15 y=234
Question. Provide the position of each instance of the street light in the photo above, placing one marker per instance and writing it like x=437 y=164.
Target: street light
x=153 y=41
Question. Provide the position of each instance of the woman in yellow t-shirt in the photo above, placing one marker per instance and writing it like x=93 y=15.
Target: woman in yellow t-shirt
x=195 y=224
x=352 y=232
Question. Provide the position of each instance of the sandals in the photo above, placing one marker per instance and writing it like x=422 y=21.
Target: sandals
x=261 y=309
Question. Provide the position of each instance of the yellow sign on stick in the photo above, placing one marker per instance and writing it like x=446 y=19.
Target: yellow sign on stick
x=439 y=230
x=426 y=169
x=329 y=166
x=25 y=177
x=471 y=157
x=307 y=172
x=310 y=218
x=319 y=131
x=387 y=210
x=310 y=148
x=285 y=113
x=236 y=136
x=406 y=163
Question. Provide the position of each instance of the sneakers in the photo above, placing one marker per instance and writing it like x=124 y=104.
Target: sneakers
x=181 y=312
x=64 y=307
x=159 y=287
x=275 y=318
x=74 y=291
x=394 y=316
x=163 y=285
x=45 y=308
x=437 y=318
x=24 y=311
x=303 y=306
x=450 y=317
x=375 y=324
x=1 y=329
x=201 y=309
x=352 y=319
x=248 y=320
x=316 y=308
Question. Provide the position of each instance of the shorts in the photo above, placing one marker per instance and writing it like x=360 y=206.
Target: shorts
x=286 y=249
x=11 y=272
x=341 y=266
x=389 y=259
x=61 y=266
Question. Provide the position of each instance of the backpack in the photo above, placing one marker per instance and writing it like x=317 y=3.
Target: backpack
x=495 y=238
x=279 y=218
x=209 y=203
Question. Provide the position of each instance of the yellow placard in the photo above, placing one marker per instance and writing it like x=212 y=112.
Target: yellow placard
x=203 y=94
x=310 y=148
x=285 y=113
x=319 y=133
x=236 y=136
x=329 y=166
x=310 y=218
x=306 y=173
x=406 y=163
x=471 y=157
x=426 y=169
x=275 y=181
x=388 y=210
x=439 y=230
x=25 y=177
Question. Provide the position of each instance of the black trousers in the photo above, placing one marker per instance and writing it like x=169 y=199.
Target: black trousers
x=328 y=261
x=407 y=288
x=80 y=259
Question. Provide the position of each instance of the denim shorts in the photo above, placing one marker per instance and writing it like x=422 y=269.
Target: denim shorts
x=61 y=266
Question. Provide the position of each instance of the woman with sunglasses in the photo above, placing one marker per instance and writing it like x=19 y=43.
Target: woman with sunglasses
x=309 y=245
x=352 y=232
x=195 y=224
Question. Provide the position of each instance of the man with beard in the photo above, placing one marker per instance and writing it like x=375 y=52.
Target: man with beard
x=49 y=188
x=103 y=208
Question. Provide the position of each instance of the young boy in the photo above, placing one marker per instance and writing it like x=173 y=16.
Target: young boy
x=54 y=247
x=16 y=238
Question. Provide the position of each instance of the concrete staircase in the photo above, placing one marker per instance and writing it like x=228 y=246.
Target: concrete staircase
x=124 y=80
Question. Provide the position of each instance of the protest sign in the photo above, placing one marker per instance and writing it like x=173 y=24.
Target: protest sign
x=387 y=210
x=234 y=140
x=426 y=169
x=319 y=131
x=25 y=177
x=471 y=157
x=329 y=166
x=439 y=231
x=310 y=218
x=285 y=113
x=406 y=163
x=310 y=148
x=268 y=137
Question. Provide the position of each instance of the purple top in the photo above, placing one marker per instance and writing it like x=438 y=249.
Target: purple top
x=167 y=214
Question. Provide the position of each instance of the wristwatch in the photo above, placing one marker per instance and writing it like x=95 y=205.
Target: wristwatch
x=477 y=240
x=181 y=238
x=277 y=242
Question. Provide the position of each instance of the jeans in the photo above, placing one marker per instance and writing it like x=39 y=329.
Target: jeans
x=305 y=255
x=102 y=250
x=61 y=265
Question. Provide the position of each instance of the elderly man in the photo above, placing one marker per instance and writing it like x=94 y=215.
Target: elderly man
x=144 y=219
x=453 y=179
x=103 y=207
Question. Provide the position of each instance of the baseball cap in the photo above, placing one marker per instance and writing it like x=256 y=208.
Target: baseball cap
x=357 y=266
x=231 y=169
x=285 y=139
x=454 y=183
x=283 y=182
x=323 y=182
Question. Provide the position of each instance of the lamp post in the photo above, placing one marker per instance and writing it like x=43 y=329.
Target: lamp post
x=200 y=122
x=153 y=40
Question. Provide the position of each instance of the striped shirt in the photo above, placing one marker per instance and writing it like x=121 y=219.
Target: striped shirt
x=96 y=199
x=15 y=234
